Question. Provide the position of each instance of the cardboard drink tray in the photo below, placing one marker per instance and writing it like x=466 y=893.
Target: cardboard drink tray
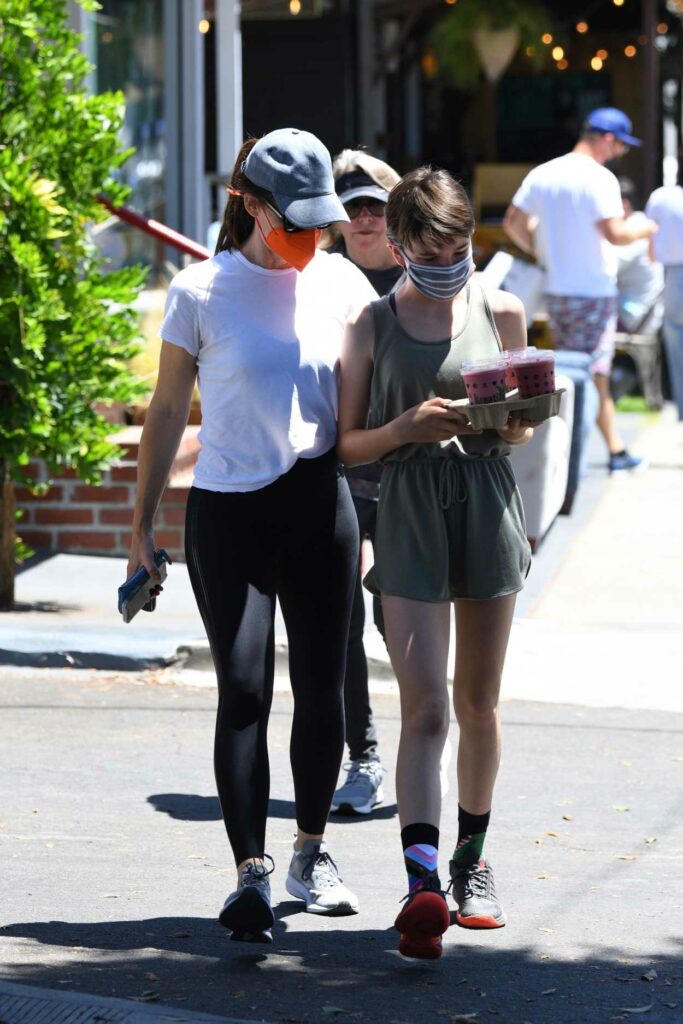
x=494 y=415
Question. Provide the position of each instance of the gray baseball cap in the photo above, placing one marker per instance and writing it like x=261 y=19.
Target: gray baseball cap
x=296 y=168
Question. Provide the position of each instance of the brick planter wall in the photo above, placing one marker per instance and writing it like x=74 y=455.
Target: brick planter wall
x=78 y=518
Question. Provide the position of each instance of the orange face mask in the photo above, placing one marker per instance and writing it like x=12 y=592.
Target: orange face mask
x=295 y=247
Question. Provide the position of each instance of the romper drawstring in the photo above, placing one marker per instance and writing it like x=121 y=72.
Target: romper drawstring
x=451 y=484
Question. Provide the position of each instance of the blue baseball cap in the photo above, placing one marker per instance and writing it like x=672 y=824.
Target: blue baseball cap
x=609 y=119
x=296 y=168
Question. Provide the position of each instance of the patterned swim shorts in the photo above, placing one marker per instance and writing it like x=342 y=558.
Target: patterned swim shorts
x=582 y=324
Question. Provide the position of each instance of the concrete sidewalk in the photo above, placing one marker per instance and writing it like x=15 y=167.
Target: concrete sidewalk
x=597 y=624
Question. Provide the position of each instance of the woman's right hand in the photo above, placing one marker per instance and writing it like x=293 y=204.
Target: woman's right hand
x=142 y=553
x=433 y=420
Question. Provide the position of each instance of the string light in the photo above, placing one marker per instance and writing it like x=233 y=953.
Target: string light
x=451 y=1
x=582 y=27
x=546 y=38
x=430 y=64
x=630 y=51
x=562 y=64
x=662 y=28
x=558 y=53
x=294 y=6
x=204 y=26
x=618 y=3
x=530 y=51
x=642 y=40
x=602 y=54
x=596 y=64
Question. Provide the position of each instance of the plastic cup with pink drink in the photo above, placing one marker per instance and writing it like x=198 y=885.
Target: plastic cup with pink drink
x=532 y=371
x=484 y=379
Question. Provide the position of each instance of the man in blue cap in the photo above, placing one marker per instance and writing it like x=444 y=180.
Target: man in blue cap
x=568 y=213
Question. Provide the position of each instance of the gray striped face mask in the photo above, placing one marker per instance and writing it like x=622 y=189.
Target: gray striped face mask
x=441 y=283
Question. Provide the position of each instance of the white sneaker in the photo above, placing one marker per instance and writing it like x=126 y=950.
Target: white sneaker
x=313 y=877
x=362 y=790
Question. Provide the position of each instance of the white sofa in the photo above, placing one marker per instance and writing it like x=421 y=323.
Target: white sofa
x=541 y=467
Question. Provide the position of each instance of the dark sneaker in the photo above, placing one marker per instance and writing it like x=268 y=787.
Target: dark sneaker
x=423 y=921
x=247 y=911
x=474 y=891
x=313 y=877
x=624 y=461
x=362 y=790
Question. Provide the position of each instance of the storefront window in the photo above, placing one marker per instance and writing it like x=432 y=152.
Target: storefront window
x=127 y=45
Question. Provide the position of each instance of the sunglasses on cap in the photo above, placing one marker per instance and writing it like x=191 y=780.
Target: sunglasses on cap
x=355 y=207
x=289 y=228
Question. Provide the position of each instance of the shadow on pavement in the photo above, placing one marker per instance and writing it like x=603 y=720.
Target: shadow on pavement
x=309 y=976
x=191 y=807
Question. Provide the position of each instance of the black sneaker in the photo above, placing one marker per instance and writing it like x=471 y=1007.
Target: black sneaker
x=247 y=911
x=423 y=921
x=474 y=891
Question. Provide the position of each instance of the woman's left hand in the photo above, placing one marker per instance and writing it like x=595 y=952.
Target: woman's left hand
x=517 y=432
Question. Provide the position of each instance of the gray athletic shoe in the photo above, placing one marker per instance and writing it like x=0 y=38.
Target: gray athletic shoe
x=474 y=891
x=247 y=911
x=362 y=790
x=313 y=877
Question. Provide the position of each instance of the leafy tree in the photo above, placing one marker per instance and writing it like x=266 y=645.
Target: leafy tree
x=67 y=330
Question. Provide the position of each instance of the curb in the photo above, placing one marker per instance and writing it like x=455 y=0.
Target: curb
x=28 y=1004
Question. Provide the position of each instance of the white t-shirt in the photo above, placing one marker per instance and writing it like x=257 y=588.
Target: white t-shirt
x=665 y=206
x=569 y=195
x=267 y=345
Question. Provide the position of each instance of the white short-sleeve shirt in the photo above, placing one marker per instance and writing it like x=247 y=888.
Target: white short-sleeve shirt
x=267 y=345
x=665 y=206
x=569 y=196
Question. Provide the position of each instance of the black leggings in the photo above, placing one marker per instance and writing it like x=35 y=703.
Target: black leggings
x=296 y=539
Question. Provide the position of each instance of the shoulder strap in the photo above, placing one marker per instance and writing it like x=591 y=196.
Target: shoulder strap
x=489 y=314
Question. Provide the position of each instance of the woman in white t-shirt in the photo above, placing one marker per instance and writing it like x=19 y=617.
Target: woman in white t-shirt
x=270 y=515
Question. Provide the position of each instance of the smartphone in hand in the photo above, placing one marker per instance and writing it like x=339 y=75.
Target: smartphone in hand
x=134 y=594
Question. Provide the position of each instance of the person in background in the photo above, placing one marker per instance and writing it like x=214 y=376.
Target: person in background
x=640 y=279
x=450 y=529
x=569 y=213
x=269 y=515
x=665 y=207
x=363 y=183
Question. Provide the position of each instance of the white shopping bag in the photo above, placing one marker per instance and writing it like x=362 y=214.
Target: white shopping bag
x=527 y=282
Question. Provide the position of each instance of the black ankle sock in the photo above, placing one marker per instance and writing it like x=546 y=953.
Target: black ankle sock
x=471 y=835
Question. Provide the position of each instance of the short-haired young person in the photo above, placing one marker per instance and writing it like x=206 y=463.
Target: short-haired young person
x=450 y=528
x=269 y=515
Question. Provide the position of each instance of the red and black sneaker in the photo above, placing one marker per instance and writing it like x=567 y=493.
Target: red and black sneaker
x=423 y=921
x=474 y=891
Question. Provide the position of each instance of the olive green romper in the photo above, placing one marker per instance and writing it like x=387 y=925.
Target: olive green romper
x=450 y=522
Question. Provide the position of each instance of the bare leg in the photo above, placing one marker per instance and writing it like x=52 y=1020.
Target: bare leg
x=482 y=633
x=417 y=634
x=605 y=420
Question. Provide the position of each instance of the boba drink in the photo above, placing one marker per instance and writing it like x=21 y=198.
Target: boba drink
x=484 y=380
x=510 y=375
x=535 y=373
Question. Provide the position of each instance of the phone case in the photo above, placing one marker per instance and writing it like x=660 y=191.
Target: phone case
x=134 y=593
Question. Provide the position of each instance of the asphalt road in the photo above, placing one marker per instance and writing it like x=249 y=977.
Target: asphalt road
x=115 y=864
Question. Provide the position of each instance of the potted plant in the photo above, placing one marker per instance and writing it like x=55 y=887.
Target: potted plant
x=483 y=36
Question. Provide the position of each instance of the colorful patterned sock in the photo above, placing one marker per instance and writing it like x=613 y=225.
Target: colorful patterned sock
x=421 y=853
x=471 y=835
